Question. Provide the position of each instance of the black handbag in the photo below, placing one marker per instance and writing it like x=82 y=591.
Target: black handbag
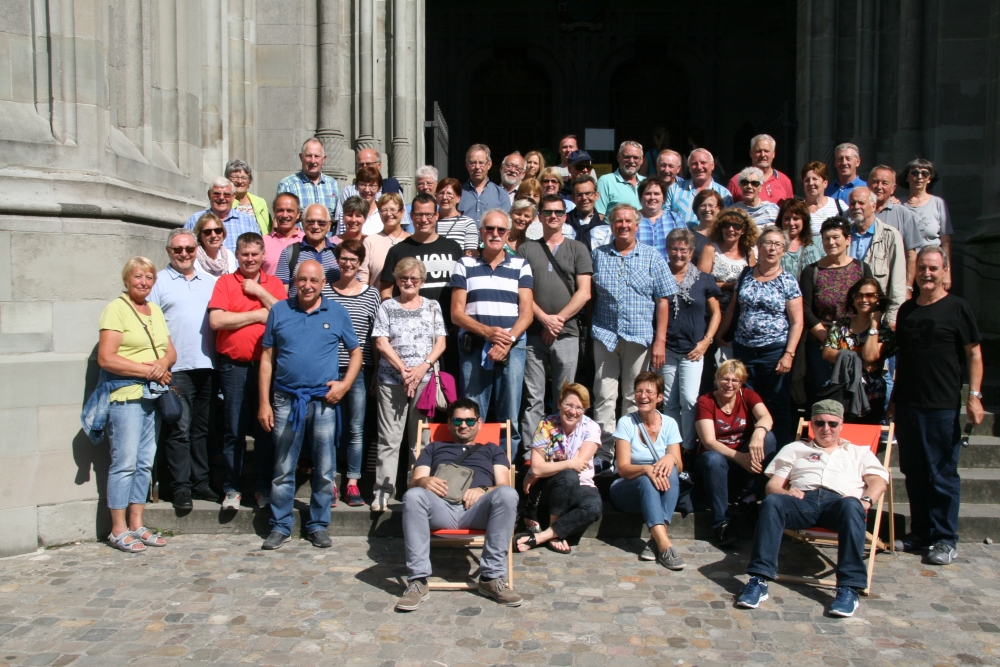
x=168 y=404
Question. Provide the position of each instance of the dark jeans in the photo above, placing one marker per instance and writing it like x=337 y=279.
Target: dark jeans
x=353 y=406
x=823 y=508
x=722 y=476
x=819 y=370
x=577 y=506
x=929 y=443
x=186 y=448
x=775 y=390
x=240 y=403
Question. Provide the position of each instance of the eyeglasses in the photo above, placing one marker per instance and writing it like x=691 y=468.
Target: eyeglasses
x=819 y=423
x=239 y=178
x=552 y=211
x=868 y=296
x=920 y=173
x=468 y=421
x=476 y=163
x=493 y=229
x=755 y=184
x=409 y=279
x=773 y=244
x=513 y=168
x=349 y=260
x=732 y=225
x=316 y=223
x=571 y=408
x=180 y=250
x=550 y=180
x=587 y=194
x=421 y=216
x=212 y=231
x=631 y=158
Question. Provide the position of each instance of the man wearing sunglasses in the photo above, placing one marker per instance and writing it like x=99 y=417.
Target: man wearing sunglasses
x=826 y=482
x=315 y=245
x=489 y=504
x=183 y=293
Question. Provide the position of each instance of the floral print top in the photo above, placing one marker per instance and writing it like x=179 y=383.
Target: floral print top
x=829 y=297
x=763 y=318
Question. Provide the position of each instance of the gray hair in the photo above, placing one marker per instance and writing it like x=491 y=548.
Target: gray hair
x=180 y=231
x=751 y=172
x=701 y=150
x=848 y=147
x=312 y=140
x=521 y=204
x=496 y=211
x=871 y=195
x=478 y=147
x=680 y=234
x=408 y=264
x=928 y=249
x=427 y=171
x=619 y=206
x=629 y=144
x=773 y=231
x=762 y=137
x=239 y=165
x=667 y=151
x=882 y=167
x=222 y=182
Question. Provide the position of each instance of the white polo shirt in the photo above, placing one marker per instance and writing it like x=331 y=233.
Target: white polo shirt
x=808 y=467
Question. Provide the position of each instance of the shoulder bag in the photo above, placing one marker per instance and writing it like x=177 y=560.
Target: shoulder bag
x=169 y=403
x=456 y=476
x=581 y=324
x=434 y=397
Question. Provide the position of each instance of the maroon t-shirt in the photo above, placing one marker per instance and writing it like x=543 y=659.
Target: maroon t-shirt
x=729 y=429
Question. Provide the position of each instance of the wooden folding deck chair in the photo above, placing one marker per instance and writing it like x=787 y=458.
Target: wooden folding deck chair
x=465 y=538
x=863 y=435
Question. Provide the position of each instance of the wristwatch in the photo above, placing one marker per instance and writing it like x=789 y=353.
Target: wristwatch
x=868 y=500
x=873 y=332
x=977 y=394
x=485 y=489
x=429 y=362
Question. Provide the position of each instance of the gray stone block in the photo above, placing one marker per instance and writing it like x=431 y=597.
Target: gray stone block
x=79 y=278
x=20 y=531
x=21 y=317
x=67 y=522
x=25 y=343
x=34 y=380
x=5 y=290
x=16 y=16
x=47 y=478
x=277 y=64
x=58 y=427
x=20 y=432
x=74 y=326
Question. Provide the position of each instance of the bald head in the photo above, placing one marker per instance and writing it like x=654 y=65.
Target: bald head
x=368 y=157
x=316 y=224
x=317 y=211
x=309 y=282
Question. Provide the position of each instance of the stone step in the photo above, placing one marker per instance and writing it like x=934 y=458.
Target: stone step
x=976 y=522
x=980 y=486
x=983 y=452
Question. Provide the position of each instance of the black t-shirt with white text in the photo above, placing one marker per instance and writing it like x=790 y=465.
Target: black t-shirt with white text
x=439 y=259
x=932 y=342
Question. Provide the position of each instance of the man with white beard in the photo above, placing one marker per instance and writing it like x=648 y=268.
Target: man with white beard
x=512 y=173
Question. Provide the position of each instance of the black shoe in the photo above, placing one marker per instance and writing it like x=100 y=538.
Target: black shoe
x=182 y=500
x=724 y=536
x=320 y=539
x=205 y=494
x=274 y=541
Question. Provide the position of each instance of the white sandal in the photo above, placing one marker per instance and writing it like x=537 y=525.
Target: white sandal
x=134 y=547
x=154 y=540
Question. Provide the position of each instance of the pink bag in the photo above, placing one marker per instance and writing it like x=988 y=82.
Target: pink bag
x=438 y=394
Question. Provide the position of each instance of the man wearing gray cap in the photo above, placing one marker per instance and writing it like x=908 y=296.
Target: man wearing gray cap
x=826 y=482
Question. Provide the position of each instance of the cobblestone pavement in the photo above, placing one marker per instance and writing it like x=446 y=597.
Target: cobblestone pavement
x=218 y=599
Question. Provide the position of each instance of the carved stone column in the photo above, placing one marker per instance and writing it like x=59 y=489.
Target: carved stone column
x=403 y=78
x=366 y=75
x=331 y=115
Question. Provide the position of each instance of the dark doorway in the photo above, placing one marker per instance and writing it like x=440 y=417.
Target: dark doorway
x=510 y=108
x=641 y=102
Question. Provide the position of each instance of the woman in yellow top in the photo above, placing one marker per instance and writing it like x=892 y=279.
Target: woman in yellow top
x=240 y=175
x=125 y=349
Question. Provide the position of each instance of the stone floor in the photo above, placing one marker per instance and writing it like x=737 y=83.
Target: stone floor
x=218 y=599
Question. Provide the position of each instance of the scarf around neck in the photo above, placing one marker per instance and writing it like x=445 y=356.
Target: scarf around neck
x=217 y=266
x=684 y=288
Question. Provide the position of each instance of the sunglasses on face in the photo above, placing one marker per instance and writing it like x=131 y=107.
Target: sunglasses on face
x=180 y=250
x=732 y=225
x=212 y=231
x=405 y=280
x=920 y=173
x=550 y=180
x=755 y=184
x=819 y=423
x=867 y=296
x=553 y=211
x=492 y=229
x=468 y=421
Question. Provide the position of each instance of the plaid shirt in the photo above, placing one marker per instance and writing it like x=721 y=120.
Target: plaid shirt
x=626 y=289
x=326 y=192
x=236 y=223
x=680 y=197
x=654 y=232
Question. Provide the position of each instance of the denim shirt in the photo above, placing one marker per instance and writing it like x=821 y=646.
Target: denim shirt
x=95 y=413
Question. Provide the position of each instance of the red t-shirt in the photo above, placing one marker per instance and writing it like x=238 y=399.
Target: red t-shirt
x=241 y=344
x=775 y=190
x=729 y=429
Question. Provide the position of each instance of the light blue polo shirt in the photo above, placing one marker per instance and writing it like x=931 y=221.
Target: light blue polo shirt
x=306 y=344
x=185 y=308
x=614 y=189
x=861 y=242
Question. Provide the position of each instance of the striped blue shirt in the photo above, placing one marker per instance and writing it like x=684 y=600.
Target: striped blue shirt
x=236 y=223
x=680 y=198
x=654 y=232
x=491 y=294
x=325 y=192
x=626 y=288
x=324 y=256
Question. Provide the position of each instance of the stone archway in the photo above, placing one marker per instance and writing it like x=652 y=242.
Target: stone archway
x=645 y=93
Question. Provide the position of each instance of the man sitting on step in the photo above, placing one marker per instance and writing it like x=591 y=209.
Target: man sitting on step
x=489 y=504
x=827 y=482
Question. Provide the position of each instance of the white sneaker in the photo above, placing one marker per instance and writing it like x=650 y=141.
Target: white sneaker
x=263 y=499
x=232 y=501
x=380 y=502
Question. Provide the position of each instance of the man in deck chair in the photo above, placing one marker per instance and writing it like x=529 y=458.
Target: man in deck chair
x=829 y=483
x=489 y=504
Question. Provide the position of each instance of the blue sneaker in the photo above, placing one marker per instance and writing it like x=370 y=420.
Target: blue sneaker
x=753 y=593
x=846 y=602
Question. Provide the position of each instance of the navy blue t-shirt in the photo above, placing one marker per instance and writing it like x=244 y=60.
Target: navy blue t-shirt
x=306 y=344
x=688 y=321
x=480 y=462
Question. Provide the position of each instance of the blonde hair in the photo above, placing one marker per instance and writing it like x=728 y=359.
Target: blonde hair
x=406 y=265
x=202 y=221
x=554 y=173
x=529 y=186
x=732 y=367
x=137 y=262
x=541 y=160
x=390 y=197
x=577 y=390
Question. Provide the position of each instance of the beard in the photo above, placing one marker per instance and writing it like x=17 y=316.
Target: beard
x=509 y=182
x=856 y=218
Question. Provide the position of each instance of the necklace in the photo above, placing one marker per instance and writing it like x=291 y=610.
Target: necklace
x=769 y=273
x=395 y=238
x=352 y=289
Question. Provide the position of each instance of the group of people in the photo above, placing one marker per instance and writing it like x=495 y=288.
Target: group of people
x=713 y=313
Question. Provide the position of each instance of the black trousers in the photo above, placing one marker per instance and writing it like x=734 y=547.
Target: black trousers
x=187 y=443
x=562 y=495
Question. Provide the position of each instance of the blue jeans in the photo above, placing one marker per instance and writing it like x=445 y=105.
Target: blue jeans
x=682 y=379
x=775 y=390
x=639 y=496
x=502 y=383
x=719 y=474
x=321 y=421
x=890 y=378
x=132 y=433
x=240 y=403
x=353 y=405
x=819 y=370
x=823 y=508
x=929 y=443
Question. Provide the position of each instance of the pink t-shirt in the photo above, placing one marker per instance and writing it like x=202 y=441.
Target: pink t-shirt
x=274 y=243
x=557 y=446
